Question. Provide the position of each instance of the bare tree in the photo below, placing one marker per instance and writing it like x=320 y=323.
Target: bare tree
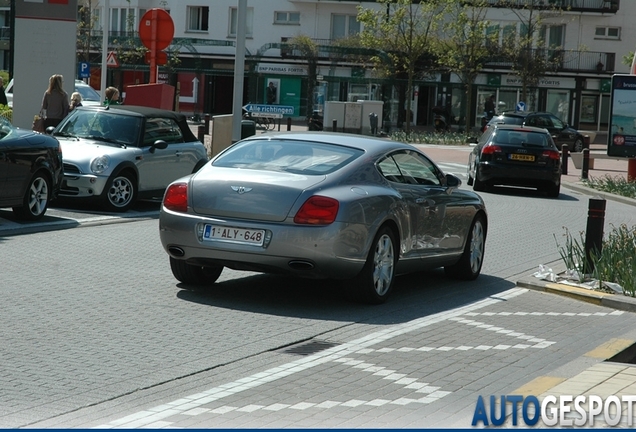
x=466 y=46
x=530 y=56
x=309 y=51
x=86 y=23
x=405 y=30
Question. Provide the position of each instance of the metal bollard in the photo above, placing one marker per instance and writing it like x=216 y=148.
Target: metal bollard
x=207 y=123
x=288 y=124
x=586 y=164
x=564 y=159
x=334 y=125
x=373 y=123
x=594 y=231
x=201 y=133
x=278 y=125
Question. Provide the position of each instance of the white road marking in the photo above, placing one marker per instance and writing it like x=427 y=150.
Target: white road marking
x=152 y=415
x=191 y=405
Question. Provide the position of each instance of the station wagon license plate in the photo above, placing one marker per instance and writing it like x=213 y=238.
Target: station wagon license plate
x=521 y=157
x=234 y=235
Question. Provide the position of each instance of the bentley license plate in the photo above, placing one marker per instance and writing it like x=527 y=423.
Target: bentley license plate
x=522 y=157
x=234 y=235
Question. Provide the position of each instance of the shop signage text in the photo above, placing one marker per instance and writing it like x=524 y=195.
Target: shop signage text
x=281 y=69
x=546 y=82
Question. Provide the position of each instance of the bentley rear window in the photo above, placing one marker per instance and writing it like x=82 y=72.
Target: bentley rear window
x=300 y=157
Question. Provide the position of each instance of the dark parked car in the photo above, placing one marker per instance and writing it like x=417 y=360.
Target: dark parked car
x=120 y=153
x=322 y=205
x=561 y=132
x=30 y=170
x=516 y=156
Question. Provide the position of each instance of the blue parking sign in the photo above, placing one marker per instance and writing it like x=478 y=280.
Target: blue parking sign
x=84 y=70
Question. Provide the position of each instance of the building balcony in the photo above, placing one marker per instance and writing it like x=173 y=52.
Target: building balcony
x=288 y=52
x=595 y=6
x=566 y=61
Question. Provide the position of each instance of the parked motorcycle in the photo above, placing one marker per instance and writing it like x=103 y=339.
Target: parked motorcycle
x=441 y=119
x=484 y=123
x=315 y=122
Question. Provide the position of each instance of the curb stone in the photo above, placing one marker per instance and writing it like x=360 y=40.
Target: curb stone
x=580 y=187
x=614 y=301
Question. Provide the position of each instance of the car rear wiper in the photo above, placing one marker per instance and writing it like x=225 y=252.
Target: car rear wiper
x=525 y=144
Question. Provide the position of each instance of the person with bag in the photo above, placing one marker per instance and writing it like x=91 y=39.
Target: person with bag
x=55 y=102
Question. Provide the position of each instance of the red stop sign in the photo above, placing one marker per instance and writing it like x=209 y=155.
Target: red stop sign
x=156 y=26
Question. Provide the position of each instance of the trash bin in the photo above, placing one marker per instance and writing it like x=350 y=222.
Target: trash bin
x=373 y=122
x=248 y=128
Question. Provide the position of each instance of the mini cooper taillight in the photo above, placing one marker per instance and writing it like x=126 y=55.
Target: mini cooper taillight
x=176 y=197
x=317 y=210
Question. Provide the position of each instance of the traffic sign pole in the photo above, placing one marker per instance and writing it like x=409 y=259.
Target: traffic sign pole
x=631 y=170
x=153 y=48
x=156 y=30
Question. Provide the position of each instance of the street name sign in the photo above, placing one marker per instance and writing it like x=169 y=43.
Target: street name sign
x=267 y=115
x=257 y=109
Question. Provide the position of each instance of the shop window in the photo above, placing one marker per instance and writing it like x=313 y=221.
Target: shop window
x=589 y=106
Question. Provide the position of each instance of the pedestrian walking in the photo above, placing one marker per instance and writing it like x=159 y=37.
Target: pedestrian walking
x=55 y=104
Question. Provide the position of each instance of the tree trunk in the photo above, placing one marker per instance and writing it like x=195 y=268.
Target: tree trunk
x=409 y=99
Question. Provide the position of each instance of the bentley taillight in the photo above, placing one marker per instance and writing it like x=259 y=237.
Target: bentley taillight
x=317 y=210
x=176 y=197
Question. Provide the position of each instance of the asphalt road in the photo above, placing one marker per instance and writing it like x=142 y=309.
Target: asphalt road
x=97 y=332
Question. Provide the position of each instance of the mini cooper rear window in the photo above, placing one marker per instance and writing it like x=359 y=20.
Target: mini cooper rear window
x=301 y=157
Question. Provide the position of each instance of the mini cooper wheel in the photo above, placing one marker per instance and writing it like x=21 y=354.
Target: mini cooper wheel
x=198 y=276
x=375 y=281
x=36 y=198
x=120 y=193
x=469 y=265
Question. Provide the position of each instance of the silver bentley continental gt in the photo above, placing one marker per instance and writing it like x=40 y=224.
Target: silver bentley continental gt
x=322 y=205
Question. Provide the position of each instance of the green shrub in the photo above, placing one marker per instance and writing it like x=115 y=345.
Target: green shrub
x=615 y=263
x=6 y=112
x=615 y=185
x=448 y=138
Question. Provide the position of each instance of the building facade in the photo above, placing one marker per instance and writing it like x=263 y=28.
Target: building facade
x=589 y=38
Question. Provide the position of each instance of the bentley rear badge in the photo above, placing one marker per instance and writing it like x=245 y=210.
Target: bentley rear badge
x=241 y=189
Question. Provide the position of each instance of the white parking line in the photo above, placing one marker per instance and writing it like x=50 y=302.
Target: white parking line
x=180 y=406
